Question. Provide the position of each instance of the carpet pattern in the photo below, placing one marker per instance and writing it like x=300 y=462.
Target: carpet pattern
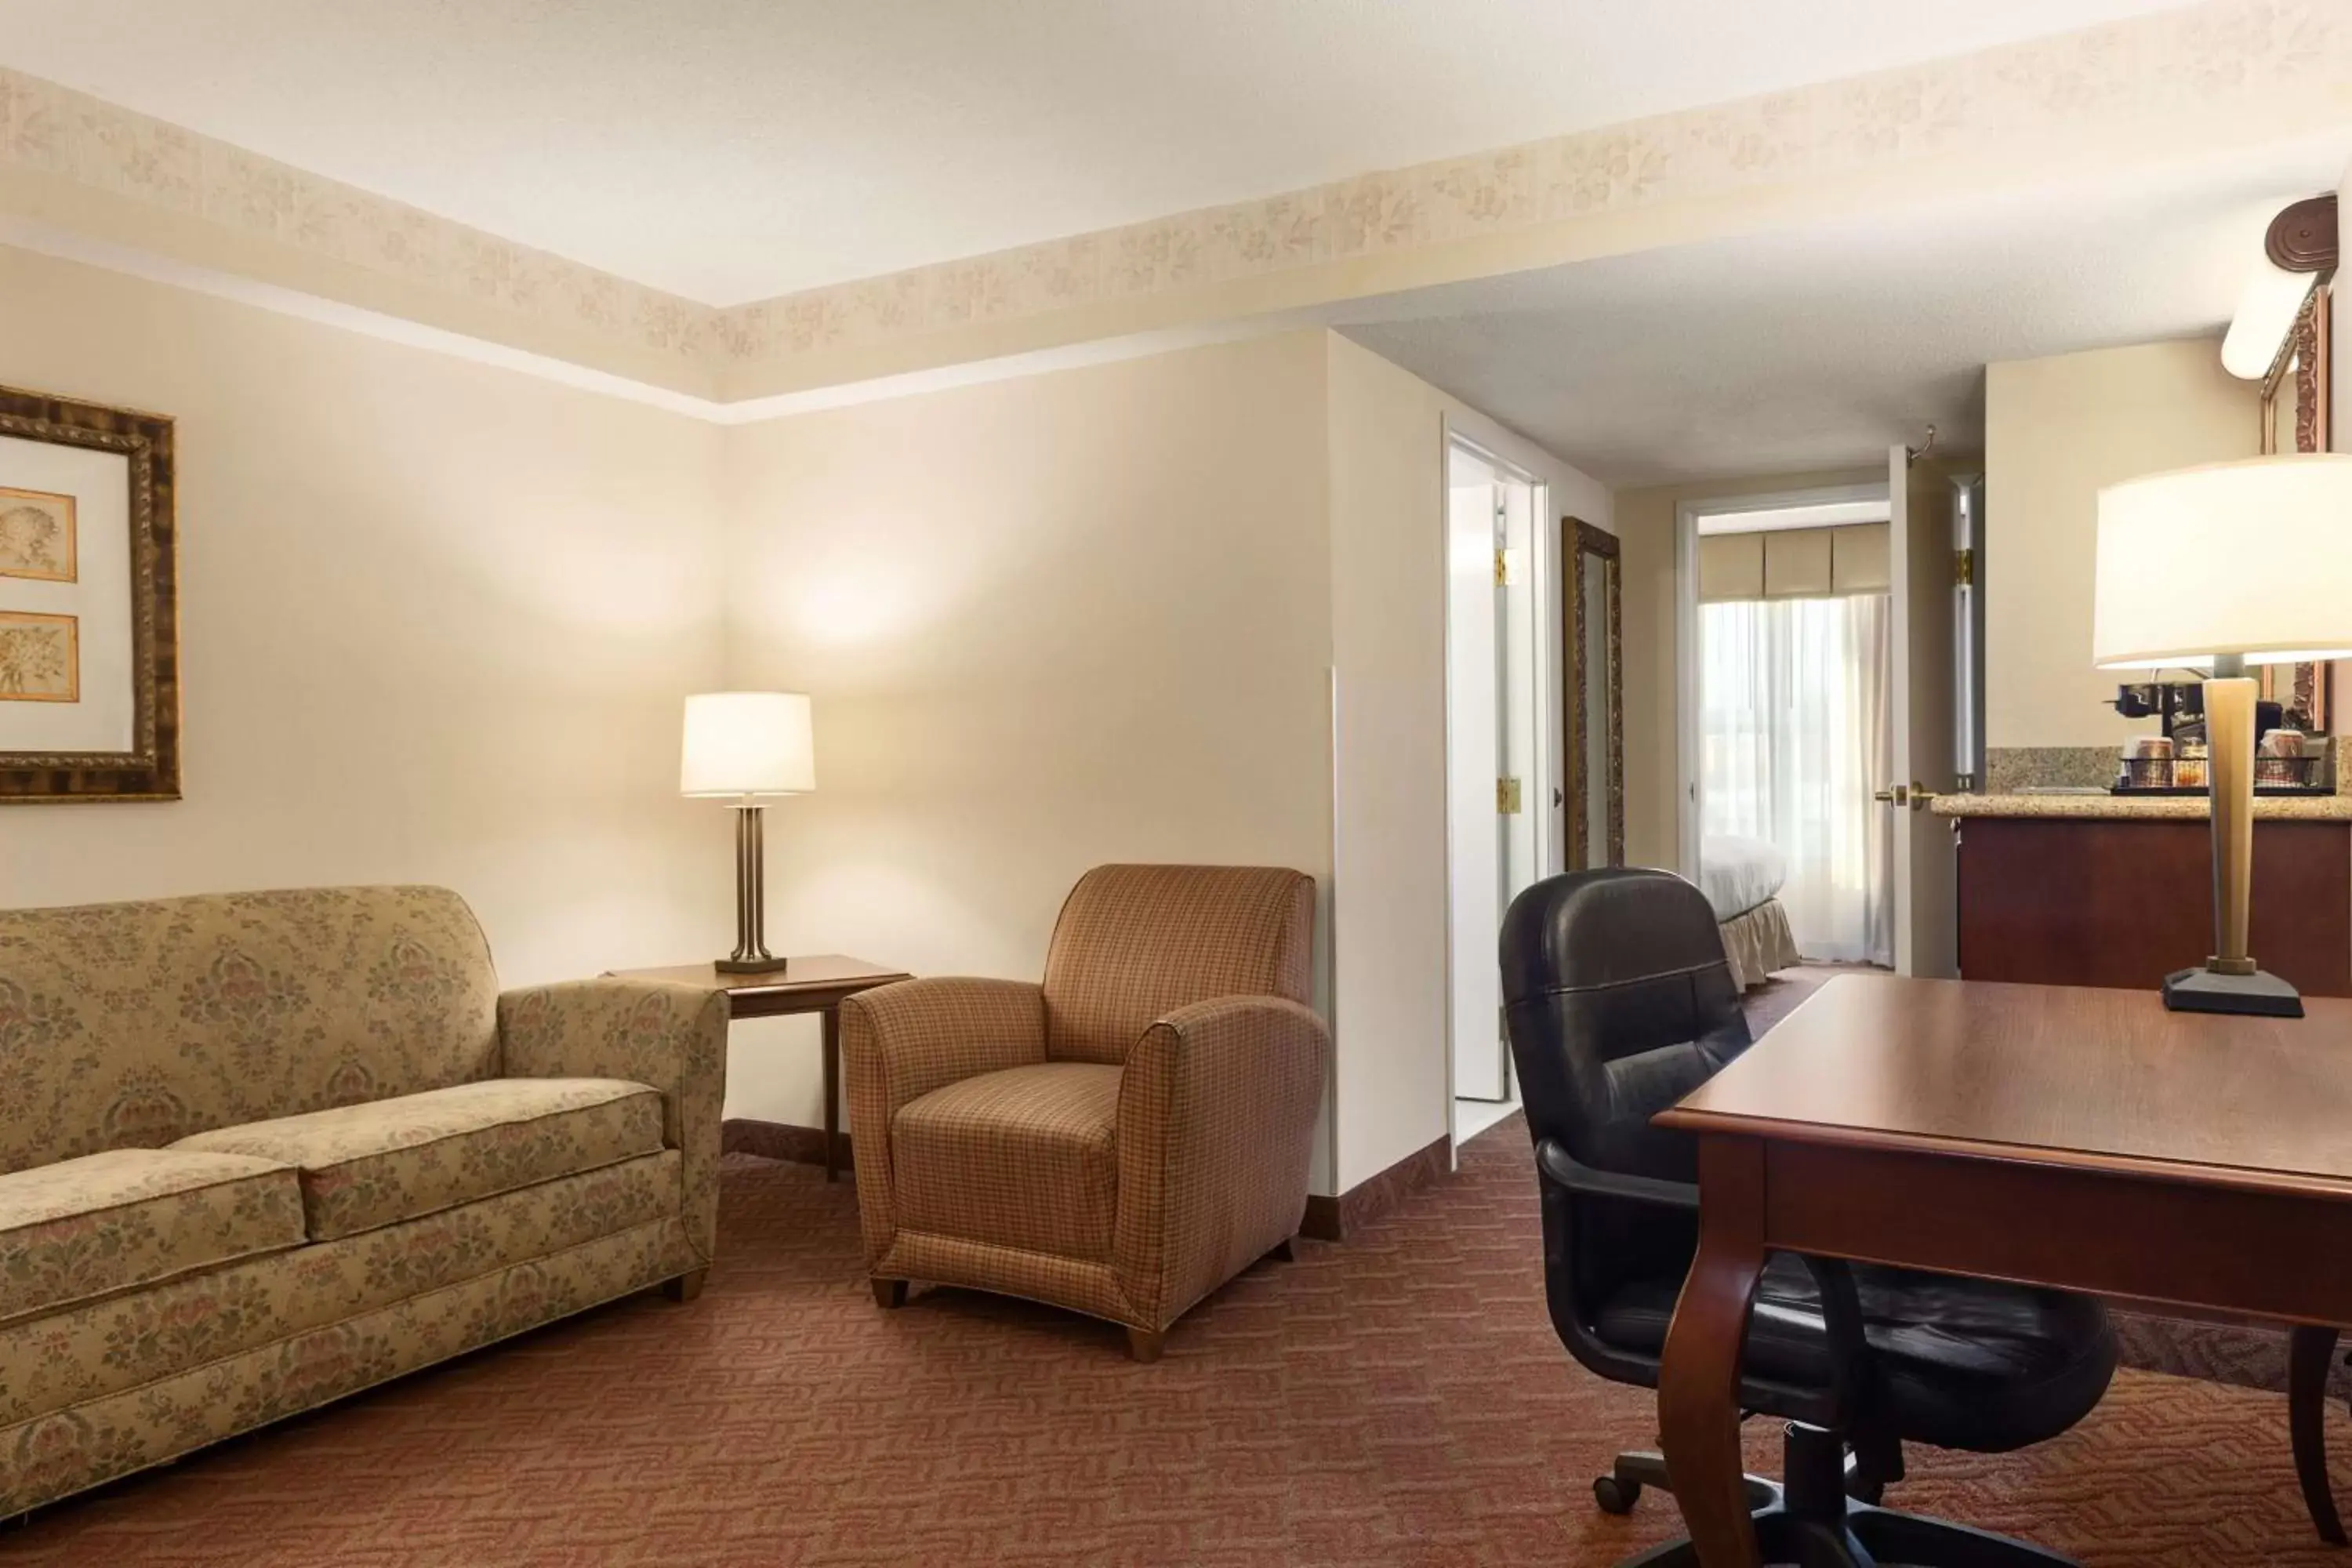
x=1399 y=1399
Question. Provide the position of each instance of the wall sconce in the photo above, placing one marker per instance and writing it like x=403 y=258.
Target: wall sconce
x=2298 y=255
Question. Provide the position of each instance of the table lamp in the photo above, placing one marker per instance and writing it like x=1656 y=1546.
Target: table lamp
x=745 y=746
x=2218 y=568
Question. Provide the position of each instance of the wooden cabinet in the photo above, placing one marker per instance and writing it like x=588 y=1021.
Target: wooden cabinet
x=2123 y=901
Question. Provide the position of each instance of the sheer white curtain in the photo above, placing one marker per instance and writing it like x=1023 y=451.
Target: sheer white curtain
x=1795 y=735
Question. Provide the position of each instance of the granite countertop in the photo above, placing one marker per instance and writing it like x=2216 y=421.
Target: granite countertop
x=2110 y=807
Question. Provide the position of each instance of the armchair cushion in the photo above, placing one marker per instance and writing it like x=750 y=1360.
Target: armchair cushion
x=1135 y=942
x=1020 y=1158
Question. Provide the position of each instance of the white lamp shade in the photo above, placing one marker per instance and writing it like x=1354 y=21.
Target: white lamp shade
x=748 y=742
x=2252 y=558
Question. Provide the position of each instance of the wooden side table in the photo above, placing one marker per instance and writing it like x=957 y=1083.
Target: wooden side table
x=816 y=985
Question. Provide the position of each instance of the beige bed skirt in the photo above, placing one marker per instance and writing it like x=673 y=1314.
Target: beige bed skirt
x=1759 y=942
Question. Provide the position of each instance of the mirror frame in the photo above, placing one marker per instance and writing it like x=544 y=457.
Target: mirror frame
x=1580 y=543
x=2301 y=377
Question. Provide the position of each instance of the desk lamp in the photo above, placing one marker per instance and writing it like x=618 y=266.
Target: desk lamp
x=2219 y=568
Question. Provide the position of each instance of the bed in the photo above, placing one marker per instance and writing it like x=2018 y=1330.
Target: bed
x=1742 y=879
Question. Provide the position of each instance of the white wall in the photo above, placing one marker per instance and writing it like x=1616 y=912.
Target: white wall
x=438 y=617
x=2056 y=430
x=435 y=620
x=1093 y=615
x=1048 y=623
x=1387 y=443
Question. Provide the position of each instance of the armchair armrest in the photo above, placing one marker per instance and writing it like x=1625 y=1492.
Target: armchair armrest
x=1216 y=1128
x=671 y=1038
x=900 y=1042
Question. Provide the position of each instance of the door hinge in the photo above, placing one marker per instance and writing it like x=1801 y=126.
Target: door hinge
x=1507 y=796
x=1964 y=568
x=1507 y=568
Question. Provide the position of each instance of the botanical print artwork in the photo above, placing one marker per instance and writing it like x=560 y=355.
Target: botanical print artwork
x=41 y=658
x=36 y=535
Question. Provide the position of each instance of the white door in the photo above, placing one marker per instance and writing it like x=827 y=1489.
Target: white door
x=1474 y=742
x=1927 y=913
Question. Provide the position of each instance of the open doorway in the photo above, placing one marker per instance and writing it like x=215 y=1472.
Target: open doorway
x=1789 y=712
x=1497 y=777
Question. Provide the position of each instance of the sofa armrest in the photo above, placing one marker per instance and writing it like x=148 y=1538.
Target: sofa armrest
x=1216 y=1130
x=671 y=1038
x=900 y=1042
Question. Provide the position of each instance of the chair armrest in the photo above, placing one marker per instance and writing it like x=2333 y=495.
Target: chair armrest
x=671 y=1038
x=900 y=1042
x=1585 y=1182
x=1216 y=1130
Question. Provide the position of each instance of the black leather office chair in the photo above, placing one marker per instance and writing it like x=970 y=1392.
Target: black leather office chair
x=1620 y=1002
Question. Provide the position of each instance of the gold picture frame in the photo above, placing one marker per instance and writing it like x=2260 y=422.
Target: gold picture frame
x=120 y=638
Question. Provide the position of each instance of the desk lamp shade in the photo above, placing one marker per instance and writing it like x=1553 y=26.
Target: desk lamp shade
x=2252 y=558
x=748 y=744
x=743 y=746
x=2219 y=567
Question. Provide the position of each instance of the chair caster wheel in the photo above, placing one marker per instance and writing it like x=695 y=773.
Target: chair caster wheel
x=1616 y=1496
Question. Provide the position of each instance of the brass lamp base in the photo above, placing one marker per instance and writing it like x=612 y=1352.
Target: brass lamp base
x=2259 y=995
x=2230 y=982
x=750 y=955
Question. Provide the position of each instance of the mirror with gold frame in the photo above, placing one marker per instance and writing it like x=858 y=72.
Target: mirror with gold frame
x=2296 y=418
x=1593 y=722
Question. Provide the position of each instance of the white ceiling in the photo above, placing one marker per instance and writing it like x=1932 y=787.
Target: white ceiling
x=731 y=150
x=1818 y=348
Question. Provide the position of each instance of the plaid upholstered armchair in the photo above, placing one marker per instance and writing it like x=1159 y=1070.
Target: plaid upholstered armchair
x=1119 y=1141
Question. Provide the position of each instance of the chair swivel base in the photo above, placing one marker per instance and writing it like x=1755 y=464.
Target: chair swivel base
x=1811 y=1523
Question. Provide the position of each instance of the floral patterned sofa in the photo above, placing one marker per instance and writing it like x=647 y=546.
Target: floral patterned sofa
x=259 y=1151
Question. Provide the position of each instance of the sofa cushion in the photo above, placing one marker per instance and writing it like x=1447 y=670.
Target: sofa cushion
x=1026 y=1157
x=81 y=1229
x=364 y=1166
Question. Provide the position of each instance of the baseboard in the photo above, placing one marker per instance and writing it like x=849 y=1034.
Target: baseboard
x=1335 y=1218
x=777 y=1140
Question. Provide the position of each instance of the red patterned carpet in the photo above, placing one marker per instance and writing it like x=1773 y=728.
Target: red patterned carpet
x=1397 y=1400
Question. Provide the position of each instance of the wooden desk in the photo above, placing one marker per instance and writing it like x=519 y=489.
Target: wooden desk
x=818 y=984
x=2078 y=1139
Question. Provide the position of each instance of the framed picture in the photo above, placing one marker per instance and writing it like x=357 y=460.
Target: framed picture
x=90 y=666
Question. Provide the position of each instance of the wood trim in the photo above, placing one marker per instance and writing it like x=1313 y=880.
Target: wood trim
x=776 y=1140
x=1336 y=1218
x=1327 y=1218
x=2302 y=237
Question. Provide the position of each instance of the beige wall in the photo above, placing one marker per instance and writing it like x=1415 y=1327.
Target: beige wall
x=1097 y=615
x=1646 y=526
x=1048 y=623
x=1387 y=437
x=439 y=617
x=436 y=622
x=2056 y=430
